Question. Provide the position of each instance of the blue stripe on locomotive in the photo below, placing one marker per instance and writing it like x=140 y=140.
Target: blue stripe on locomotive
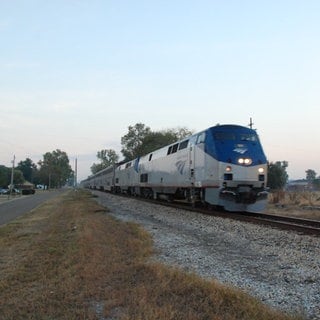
x=228 y=143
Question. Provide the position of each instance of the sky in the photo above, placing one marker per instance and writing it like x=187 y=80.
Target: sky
x=75 y=74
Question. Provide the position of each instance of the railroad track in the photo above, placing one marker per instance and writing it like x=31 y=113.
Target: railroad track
x=305 y=226
x=302 y=226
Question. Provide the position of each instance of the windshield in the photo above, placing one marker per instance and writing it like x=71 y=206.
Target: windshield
x=248 y=137
x=232 y=136
x=224 y=136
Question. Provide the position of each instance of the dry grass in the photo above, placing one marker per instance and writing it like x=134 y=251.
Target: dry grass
x=303 y=204
x=70 y=260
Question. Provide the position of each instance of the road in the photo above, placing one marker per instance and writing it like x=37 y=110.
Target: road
x=17 y=206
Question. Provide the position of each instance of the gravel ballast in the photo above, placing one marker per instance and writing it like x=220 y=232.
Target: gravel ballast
x=281 y=268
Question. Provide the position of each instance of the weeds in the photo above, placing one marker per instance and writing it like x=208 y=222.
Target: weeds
x=295 y=203
x=70 y=260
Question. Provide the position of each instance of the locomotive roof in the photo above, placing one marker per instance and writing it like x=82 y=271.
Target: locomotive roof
x=230 y=126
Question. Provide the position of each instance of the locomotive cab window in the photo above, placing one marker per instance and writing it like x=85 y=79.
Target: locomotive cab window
x=128 y=165
x=175 y=148
x=183 y=144
x=224 y=136
x=248 y=137
x=201 y=137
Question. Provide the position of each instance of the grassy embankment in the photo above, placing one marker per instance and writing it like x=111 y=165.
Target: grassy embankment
x=69 y=260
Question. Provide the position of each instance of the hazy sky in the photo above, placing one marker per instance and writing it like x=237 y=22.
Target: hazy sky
x=75 y=74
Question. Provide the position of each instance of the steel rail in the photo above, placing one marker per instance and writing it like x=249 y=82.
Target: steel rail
x=302 y=226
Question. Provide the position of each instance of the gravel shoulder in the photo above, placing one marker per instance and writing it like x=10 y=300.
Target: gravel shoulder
x=281 y=268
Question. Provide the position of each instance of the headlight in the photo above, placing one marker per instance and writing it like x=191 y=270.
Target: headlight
x=245 y=161
x=228 y=168
x=261 y=170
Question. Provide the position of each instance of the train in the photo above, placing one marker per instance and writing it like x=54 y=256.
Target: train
x=223 y=166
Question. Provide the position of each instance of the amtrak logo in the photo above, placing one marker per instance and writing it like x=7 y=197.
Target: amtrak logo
x=240 y=150
x=180 y=166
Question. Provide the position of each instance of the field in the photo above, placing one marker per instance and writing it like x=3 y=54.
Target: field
x=68 y=259
x=303 y=204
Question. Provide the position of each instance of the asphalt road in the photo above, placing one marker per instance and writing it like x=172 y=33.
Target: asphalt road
x=17 y=206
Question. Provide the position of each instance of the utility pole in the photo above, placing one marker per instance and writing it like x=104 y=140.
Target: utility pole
x=11 y=181
x=75 y=172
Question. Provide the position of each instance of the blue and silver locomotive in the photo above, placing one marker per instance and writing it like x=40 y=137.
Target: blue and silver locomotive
x=221 y=166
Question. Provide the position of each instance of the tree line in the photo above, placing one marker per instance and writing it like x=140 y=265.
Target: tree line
x=53 y=171
x=278 y=177
x=138 y=141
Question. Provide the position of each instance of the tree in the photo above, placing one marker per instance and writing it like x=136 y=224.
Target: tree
x=4 y=176
x=154 y=141
x=55 y=169
x=18 y=177
x=277 y=175
x=180 y=132
x=316 y=183
x=310 y=175
x=133 y=140
x=28 y=169
x=107 y=158
x=140 y=140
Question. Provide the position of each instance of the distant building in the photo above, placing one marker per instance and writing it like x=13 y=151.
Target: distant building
x=298 y=185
